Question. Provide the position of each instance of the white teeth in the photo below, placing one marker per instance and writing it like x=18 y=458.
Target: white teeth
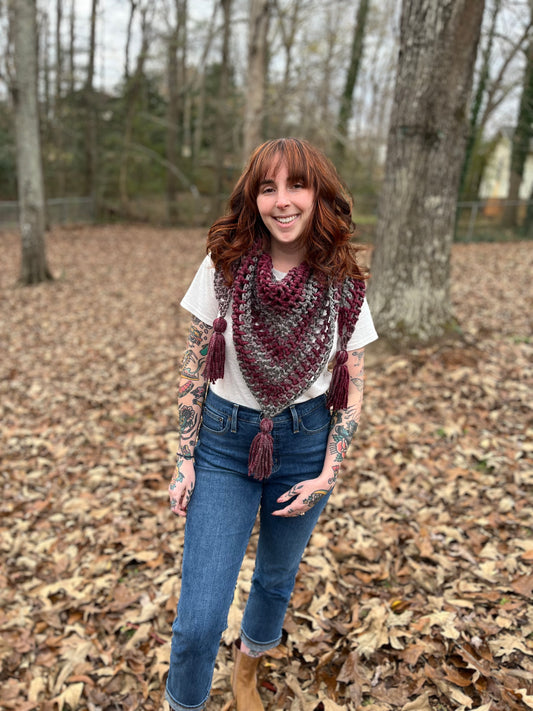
x=286 y=220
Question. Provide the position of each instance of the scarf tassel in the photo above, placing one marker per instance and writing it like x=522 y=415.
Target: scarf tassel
x=260 y=459
x=340 y=380
x=216 y=352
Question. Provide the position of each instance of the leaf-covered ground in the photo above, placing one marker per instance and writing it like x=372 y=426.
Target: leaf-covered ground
x=415 y=593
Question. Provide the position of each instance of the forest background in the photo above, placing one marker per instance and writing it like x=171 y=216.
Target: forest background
x=145 y=105
x=415 y=592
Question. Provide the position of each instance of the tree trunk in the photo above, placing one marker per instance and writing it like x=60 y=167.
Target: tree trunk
x=176 y=70
x=345 y=110
x=72 y=49
x=198 y=86
x=132 y=96
x=221 y=128
x=469 y=182
x=90 y=101
x=133 y=8
x=172 y=124
x=409 y=291
x=521 y=142
x=527 y=225
x=288 y=26
x=34 y=268
x=59 y=56
x=58 y=129
x=259 y=16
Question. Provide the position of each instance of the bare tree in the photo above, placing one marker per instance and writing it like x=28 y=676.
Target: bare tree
x=409 y=292
x=34 y=268
x=288 y=22
x=198 y=85
x=259 y=17
x=176 y=79
x=131 y=97
x=58 y=130
x=345 y=110
x=71 y=48
x=222 y=122
x=91 y=150
x=133 y=8
x=521 y=139
x=59 y=55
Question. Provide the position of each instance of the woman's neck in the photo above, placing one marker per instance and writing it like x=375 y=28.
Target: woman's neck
x=283 y=259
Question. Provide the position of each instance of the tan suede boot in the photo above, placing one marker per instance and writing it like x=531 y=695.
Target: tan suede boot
x=244 y=681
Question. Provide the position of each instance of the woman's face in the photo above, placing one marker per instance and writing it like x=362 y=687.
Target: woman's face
x=285 y=207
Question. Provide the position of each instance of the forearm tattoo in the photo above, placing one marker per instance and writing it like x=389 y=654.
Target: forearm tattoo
x=192 y=387
x=342 y=429
x=344 y=422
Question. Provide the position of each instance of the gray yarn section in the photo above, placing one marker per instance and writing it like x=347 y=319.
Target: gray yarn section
x=278 y=373
x=315 y=348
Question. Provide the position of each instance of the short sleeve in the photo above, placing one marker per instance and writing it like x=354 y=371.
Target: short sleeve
x=364 y=331
x=200 y=299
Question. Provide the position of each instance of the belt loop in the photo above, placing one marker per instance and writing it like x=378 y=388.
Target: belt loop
x=234 y=415
x=295 y=420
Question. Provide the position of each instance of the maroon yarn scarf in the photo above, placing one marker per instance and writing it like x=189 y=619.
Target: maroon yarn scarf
x=283 y=333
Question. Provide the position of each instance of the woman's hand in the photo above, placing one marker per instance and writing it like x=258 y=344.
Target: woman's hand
x=306 y=494
x=182 y=485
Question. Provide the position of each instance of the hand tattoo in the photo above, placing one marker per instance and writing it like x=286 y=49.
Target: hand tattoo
x=315 y=497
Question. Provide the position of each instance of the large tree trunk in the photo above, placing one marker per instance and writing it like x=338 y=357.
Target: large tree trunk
x=255 y=81
x=409 y=291
x=34 y=268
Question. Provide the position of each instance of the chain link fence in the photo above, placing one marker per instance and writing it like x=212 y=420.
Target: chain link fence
x=476 y=221
x=488 y=220
x=59 y=211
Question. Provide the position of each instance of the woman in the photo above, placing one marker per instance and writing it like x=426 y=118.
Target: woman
x=279 y=296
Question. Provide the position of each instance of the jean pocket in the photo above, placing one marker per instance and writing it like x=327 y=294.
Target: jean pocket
x=315 y=421
x=214 y=421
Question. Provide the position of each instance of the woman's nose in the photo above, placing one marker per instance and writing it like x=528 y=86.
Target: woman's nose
x=282 y=199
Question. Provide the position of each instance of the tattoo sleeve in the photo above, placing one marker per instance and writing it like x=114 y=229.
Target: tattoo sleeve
x=344 y=422
x=192 y=386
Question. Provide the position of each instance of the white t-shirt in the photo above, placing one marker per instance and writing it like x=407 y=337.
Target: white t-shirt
x=200 y=300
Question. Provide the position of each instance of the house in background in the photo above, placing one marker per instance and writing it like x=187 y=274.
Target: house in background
x=494 y=186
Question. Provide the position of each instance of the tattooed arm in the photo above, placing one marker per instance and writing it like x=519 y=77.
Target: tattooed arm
x=191 y=394
x=342 y=429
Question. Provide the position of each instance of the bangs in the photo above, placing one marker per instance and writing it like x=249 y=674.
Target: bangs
x=266 y=162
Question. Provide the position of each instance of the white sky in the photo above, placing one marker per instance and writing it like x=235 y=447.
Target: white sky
x=111 y=31
x=113 y=19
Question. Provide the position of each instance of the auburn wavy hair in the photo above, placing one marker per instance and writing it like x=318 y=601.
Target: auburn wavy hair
x=328 y=233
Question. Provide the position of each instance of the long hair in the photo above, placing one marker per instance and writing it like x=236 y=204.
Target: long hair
x=327 y=235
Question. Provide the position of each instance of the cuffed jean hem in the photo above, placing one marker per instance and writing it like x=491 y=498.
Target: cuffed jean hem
x=254 y=646
x=179 y=707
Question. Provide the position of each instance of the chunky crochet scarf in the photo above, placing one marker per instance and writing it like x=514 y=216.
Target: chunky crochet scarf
x=283 y=333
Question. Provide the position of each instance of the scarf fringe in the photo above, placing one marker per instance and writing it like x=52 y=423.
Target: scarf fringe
x=260 y=459
x=216 y=352
x=340 y=381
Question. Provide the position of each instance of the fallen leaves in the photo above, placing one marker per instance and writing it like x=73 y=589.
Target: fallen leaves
x=415 y=592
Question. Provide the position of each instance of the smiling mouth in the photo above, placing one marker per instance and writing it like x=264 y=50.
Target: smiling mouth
x=286 y=220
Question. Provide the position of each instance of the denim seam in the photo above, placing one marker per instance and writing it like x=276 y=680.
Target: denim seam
x=176 y=706
x=259 y=646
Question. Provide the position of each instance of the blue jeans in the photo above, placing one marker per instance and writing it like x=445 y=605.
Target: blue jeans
x=220 y=519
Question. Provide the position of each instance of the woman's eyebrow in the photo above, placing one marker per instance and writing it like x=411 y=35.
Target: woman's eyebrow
x=267 y=181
